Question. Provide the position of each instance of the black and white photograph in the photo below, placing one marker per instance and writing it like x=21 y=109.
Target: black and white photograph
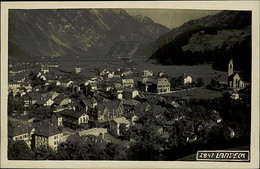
x=130 y=84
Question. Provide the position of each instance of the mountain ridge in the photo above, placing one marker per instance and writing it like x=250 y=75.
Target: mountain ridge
x=76 y=32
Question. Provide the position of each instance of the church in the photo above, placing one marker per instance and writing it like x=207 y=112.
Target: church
x=234 y=80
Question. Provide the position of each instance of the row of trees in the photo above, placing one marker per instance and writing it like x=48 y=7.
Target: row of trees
x=87 y=150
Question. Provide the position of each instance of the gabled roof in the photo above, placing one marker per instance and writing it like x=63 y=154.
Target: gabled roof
x=46 y=129
x=121 y=120
x=130 y=102
x=57 y=114
x=101 y=107
x=233 y=75
x=40 y=102
x=112 y=105
x=60 y=98
x=34 y=95
x=18 y=129
x=73 y=114
x=130 y=90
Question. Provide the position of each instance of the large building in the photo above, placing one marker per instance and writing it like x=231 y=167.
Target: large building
x=19 y=132
x=47 y=135
x=234 y=80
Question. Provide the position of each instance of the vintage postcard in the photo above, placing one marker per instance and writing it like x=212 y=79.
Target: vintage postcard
x=130 y=84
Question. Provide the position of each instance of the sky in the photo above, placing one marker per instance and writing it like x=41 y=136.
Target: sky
x=171 y=18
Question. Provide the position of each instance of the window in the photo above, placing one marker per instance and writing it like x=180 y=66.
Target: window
x=24 y=136
x=54 y=142
x=21 y=137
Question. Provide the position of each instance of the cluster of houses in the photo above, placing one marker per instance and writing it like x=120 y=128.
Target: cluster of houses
x=108 y=100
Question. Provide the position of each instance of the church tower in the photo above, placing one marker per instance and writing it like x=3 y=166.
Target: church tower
x=230 y=67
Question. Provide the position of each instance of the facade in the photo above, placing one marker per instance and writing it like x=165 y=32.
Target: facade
x=234 y=80
x=163 y=85
x=130 y=93
x=147 y=73
x=128 y=83
x=108 y=111
x=20 y=132
x=115 y=125
x=234 y=96
x=74 y=118
x=47 y=135
x=186 y=79
x=56 y=119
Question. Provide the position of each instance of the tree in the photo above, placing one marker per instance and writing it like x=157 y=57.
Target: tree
x=200 y=81
x=112 y=151
x=19 y=150
x=45 y=153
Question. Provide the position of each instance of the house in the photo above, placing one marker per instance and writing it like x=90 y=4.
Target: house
x=62 y=100
x=28 y=88
x=66 y=84
x=175 y=104
x=92 y=86
x=115 y=126
x=107 y=86
x=75 y=104
x=20 y=132
x=77 y=69
x=234 y=80
x=160 y=74
x=45 y=70
x=89 y=103
x=159 y=85
x=147 y=73
x=56 y=119
x=214 y=115
x=129 y=106
x=74 y=118
x=186 y=79
x=119 y=93
x=144 y=84
x=128 y=83
x=129 y=93
x=190 y=137
x=44 y=102
x=26 y=101
x=13 y=85
x=34 y=96
x=47 y=135
x=107 y=111
x=234 y=96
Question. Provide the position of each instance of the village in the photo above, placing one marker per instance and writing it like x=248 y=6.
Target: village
x=49 y=106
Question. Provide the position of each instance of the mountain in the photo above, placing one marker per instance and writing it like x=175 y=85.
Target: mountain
x=212 y=39
x=75 y=32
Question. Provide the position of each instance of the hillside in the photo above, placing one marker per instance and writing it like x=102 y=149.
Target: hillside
x=212 y=39
x=75 y=32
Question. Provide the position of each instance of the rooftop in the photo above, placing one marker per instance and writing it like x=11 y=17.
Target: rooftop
x=121 y=120
x=46 y=129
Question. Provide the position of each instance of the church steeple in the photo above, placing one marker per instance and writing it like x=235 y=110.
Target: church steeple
x=230 y=67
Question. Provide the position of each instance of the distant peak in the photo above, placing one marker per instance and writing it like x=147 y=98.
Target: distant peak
x=143 y=19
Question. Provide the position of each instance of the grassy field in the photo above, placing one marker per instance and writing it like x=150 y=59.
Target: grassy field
x=204 y=71
x=197 y=93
